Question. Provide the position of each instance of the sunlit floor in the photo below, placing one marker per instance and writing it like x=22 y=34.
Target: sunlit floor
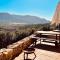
x=43 y=51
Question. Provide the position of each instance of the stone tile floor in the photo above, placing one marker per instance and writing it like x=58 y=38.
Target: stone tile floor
x=44 y=51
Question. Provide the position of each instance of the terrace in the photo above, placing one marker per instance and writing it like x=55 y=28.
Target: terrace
x=44 y=51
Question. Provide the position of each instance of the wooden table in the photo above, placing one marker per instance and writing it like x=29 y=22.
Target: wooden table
x=49 y=32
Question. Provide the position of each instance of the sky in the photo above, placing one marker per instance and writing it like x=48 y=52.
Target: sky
x=40 y=8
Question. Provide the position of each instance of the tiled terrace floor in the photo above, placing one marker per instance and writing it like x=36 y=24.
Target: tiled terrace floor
x=43 y=52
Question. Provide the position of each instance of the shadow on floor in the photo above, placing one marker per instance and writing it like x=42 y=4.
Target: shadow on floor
x=28 y=59
x=48 y=47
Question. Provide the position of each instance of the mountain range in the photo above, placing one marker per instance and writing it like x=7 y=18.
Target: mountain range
x=21 y=19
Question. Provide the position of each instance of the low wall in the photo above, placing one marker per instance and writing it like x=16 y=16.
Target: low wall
x=15 y=49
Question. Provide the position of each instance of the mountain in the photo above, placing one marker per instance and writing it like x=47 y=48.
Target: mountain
x=16 y=19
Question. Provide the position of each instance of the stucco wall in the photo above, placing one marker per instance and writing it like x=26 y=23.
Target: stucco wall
x=16 y=48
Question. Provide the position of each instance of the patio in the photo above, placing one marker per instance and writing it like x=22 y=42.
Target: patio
x=44 y=51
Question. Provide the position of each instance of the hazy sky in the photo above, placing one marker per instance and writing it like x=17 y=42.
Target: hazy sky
x=41 y=8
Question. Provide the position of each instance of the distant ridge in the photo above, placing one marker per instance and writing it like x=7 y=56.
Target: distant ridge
x=26 y=19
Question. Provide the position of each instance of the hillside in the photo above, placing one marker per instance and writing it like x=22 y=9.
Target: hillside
x=25 y=19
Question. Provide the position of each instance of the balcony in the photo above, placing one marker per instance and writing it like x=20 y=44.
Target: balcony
x=43 y=51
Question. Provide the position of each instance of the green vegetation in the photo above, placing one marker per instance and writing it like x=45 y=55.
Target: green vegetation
x=9 y=36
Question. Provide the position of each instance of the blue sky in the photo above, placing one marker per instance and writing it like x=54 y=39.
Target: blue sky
x=41 y=8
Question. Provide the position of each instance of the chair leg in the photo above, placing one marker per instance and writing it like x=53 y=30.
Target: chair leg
x=35 y=43
x=40 y=41
x=24 y=56
x=35 y=56
x=27 y=56
x=56 y=44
